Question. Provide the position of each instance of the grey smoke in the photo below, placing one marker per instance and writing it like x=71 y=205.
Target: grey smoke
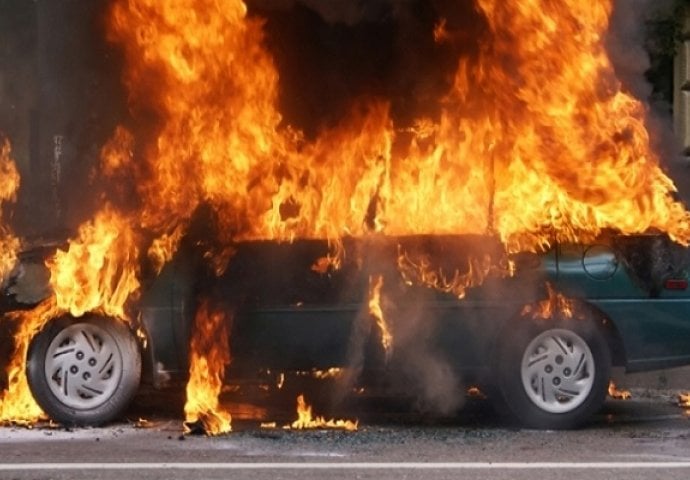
x=625 y=44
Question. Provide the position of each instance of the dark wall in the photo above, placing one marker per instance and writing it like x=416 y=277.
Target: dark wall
x=79 y=103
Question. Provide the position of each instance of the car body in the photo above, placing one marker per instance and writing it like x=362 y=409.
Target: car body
x=301 y=319
x=627 y=304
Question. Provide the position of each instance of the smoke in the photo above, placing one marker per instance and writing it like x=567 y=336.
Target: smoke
x=420 y=368
x=626 y=45
x=417 y=369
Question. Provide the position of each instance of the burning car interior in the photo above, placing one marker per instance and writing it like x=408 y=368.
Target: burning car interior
x=415 y=196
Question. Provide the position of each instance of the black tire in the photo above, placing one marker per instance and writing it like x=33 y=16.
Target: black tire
x=84 y=371
x=531 y=394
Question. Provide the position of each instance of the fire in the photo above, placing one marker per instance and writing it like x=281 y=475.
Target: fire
x=684 y=400
x=332 y=372
x=96 y=273
x=556 y=304
x=475 y=392
x=329 y=373
x=17 y=405
x=419 y=270
x=440 y=32
x=9 y=183
x=618 y=394
x=574 y=157
x=535 y=141
x=375 y=310
x=530 y=164
x=209 y=354
x=305 y=420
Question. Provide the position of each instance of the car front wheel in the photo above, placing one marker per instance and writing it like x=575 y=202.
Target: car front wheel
x=84 y=371
x=554 y=375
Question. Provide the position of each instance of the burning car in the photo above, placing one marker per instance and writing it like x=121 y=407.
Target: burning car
x=541 y=336
x=394 y=232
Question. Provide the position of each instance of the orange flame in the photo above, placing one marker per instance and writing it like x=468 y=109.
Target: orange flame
x=440 y=33
x=505 y=156
x=305 y=420
x=684 y=400
x=375 y=310
x=17 y=405
x=475 y=392
x=209 y=354
x=556 y=304
x=418 y=269
x=332 y=372
x=98 y=272
x=9 y=183
x=531 y=164
x=618 y=394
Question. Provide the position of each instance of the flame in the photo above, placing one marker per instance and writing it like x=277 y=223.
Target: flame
x=475 y=392
x=684 y=400
x=17 y=405
x=209 y=354
x=505 y=156
x=419 y=269
x=618 y=394
x=332 y=372
x=98 y=271
x=375 y=310
x=9 y=183
x=440 y=32
x=305 y=420
x=556 y=304
x=332 y=261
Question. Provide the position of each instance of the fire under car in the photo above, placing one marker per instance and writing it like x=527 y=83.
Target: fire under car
x=538 y=332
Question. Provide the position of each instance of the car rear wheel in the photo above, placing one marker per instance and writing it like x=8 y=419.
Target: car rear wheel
x=554 y=374
x=85 y=371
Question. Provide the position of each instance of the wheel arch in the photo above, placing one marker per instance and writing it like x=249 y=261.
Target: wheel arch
x=583 y=310
x=610 y=331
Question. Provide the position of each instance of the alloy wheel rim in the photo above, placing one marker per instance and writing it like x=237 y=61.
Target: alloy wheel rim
x=558 y=370
x=83 y=366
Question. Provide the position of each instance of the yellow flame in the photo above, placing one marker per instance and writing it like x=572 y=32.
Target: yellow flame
x=305 y=419
x=375 y=310
x=209 y=354
x=419 y=270
x=9 y=183
x=556 y=304
x=17 y=405
x=617 y=394
x=505 y=155
x=98 y=271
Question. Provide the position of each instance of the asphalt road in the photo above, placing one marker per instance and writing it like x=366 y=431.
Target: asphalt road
x=639 y=438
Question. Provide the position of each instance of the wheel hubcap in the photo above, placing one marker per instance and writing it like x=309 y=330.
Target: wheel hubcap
x=83 y=366
x=558 y=371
